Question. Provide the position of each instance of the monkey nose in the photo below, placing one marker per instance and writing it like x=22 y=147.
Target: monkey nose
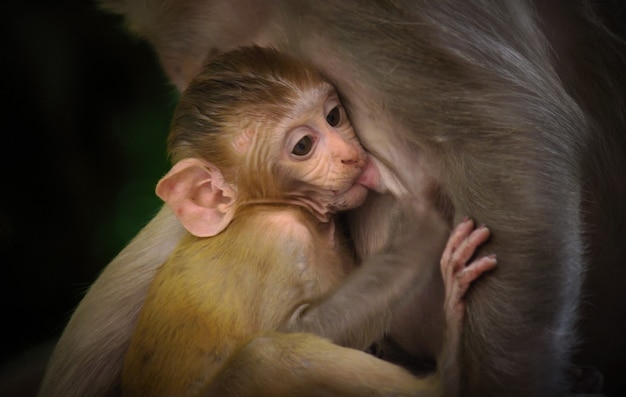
x=357 y=160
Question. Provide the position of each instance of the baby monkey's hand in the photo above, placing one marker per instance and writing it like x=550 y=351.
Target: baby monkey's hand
x=458 y=274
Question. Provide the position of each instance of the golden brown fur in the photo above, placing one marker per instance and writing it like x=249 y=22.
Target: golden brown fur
x=215 y=294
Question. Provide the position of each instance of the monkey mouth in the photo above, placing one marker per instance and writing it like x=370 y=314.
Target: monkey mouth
x=343 y=191
x=370 y=176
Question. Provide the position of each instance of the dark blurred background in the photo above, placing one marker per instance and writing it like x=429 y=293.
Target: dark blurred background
x=85 y=116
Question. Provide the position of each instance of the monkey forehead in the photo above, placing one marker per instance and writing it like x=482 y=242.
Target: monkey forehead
x=310 y=99
x=306 y=102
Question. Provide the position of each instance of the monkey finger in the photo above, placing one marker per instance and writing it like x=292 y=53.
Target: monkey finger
x=452 y=265
x=472 y=271
x=468 y=246
x=459 y=234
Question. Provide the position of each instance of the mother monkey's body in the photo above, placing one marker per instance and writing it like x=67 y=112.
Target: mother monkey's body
x=466 y=106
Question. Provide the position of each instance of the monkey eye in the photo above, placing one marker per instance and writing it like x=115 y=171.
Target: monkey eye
x=303 y=146
x=333 y=118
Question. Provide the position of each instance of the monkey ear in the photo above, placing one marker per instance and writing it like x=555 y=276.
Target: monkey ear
x=196 y=192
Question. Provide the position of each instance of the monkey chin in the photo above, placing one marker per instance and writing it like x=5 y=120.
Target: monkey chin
x=351 y=198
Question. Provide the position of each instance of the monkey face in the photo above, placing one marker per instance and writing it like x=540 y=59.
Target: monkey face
x=321 y=154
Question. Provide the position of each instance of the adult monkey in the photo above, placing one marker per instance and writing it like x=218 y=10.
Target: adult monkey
x=470 y=96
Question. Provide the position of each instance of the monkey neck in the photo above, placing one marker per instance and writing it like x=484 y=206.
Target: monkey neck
x=323 y=215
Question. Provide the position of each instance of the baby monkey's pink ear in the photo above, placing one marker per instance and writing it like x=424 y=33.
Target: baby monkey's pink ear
x=196 y=192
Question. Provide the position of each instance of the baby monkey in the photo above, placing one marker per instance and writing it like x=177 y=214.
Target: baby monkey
x=262 y=296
